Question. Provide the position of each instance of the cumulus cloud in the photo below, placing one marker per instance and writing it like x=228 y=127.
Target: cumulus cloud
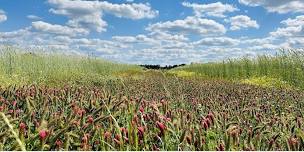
x=58 y=29
x=292 y=28
x=217 y=41
x=189 y=25
x=89 y=13
x=190 y=39
x=279 y=6
x=155 y=39
x=217 y=9
x=242 y=21
x=33 y=17
x=14 y=34
x=168 y=37
x=136 y=39
x=3 y=17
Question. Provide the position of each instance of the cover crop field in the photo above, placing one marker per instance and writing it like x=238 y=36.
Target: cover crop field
x=71 y=103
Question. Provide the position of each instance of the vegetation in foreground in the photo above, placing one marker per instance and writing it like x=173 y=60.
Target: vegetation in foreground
x=152 y=114
x=50 y=102
x=56 y=70
x=284 y=69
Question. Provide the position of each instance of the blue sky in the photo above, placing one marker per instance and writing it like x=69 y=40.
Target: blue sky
x=155 y=31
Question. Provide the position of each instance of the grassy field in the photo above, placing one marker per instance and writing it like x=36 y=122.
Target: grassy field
x=52 y=69
x=283 y=69
x=53 y=102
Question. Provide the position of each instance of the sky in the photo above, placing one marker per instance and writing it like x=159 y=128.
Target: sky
x=161 y=32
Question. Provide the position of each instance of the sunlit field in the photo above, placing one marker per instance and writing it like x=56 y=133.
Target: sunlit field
x=51 y=102
x=151 y=75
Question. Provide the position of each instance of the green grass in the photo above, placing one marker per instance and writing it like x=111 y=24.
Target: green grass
x=285 y=66
x=53 y=69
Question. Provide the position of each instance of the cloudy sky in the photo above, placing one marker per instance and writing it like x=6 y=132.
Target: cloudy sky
x=154 y=31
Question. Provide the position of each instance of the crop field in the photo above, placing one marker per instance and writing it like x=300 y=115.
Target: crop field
x=57 y=107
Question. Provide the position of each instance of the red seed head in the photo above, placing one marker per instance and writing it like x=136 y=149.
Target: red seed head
x=58 y=143
x=14 y=103
x=124 y=130
x=85 y=138
x=141 y=131
x=160 y=126
x=107 y=135
x=221 y=147
x=117 y=136
x=43 y=134
x=90 y=119
x=188 y=139
x=205 y=125
x=22 y=126
x=208 y=122
x=211 y=117
x=141 y=109
x=11 y=111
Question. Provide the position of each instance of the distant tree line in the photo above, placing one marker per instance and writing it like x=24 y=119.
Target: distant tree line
x=158 y=67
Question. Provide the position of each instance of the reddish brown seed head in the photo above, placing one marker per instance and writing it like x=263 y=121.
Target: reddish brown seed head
x=160 y=126
x=211 y=117
x=117 y=139
x=85 y=139
x=43 y=134
x=188 y=139
x=58 y=143
x=141 y=131
x=107 y=135
x=208 y=122
x=141 y=109
x=117 y=136
x=14 y=103
x=124 y=130
x=292 y=141
x=90 y=119
x=205 y=125
x=22 y=126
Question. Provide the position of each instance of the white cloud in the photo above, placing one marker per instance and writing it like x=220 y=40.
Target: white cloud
x=298 y=21
x=14 y=34
x=296 y=42
x=89 y=14
x=279 y=6
x=3 y=17
x=256 y=41
x=214 y=9
x=132 y=11
x=217 y=41
x=136 y=39
x=168 y=37
x=33 y=17
x=292 y=28
x=189 y=25
x=242 y=21
x=58 y=29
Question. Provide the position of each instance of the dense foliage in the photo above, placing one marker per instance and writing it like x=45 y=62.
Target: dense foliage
x=155 y=113
x=286 y=65
x=52 y=102
x=35 y=67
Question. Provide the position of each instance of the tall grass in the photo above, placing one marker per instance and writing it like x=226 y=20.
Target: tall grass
x=53 y=69
x=286 y=65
